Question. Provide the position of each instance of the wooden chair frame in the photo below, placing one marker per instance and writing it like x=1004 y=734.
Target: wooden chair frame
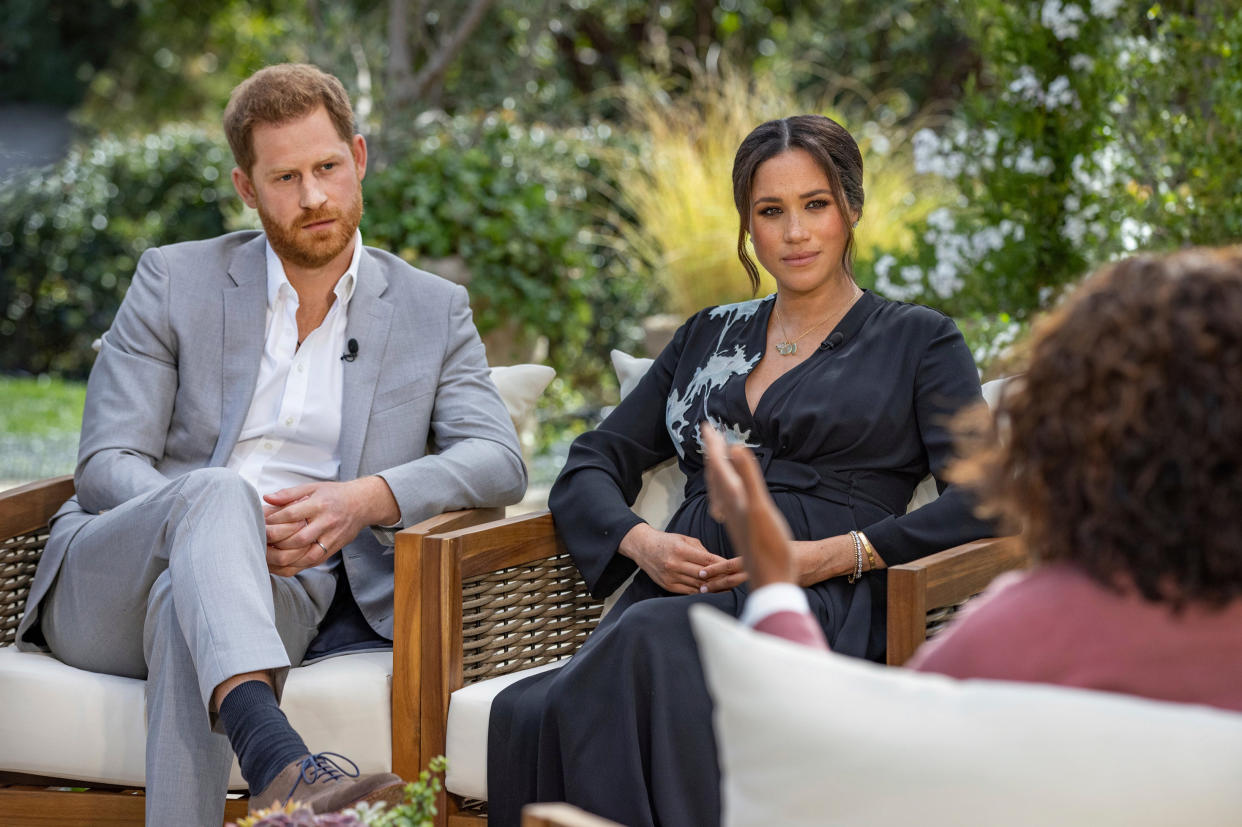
x=448 y=565
x=26 y=799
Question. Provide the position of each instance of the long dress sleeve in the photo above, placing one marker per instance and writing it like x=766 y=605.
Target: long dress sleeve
x=591 y=498
x=945 y=382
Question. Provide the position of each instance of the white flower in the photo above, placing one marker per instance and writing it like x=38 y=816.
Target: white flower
x=883 y=265
x=926 y=150
x=1105 y=8
x=1082 y=63
x=1074 y=229
x=941 y=219
x=1062 y=20
x=1060 y=94
x=1133 y=234
x=936 y=157
x=911 y=286
x=1026 y=85
x=944 y=280
x=1025 y=162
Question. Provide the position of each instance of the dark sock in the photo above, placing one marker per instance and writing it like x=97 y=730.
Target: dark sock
x=260 y=733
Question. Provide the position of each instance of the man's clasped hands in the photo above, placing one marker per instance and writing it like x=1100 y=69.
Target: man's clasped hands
x=307 y=524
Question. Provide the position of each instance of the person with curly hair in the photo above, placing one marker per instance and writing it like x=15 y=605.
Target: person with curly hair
x=1120 y=461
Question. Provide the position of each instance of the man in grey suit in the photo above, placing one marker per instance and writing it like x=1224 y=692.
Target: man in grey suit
x=256 y=424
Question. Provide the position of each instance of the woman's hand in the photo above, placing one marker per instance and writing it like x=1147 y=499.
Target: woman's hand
x=673 y=561
x=738 y=497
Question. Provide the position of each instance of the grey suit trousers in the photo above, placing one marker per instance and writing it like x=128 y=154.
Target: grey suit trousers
x=172 y=586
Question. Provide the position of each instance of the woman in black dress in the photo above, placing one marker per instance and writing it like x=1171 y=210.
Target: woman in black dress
x=844 y=398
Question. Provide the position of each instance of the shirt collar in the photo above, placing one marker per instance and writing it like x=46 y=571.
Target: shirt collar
x=277 y=280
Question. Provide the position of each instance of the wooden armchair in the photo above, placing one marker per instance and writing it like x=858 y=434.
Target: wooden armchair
x=34 y=798
x=498 y=598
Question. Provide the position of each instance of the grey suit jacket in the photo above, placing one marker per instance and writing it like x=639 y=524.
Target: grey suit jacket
x=176 y=372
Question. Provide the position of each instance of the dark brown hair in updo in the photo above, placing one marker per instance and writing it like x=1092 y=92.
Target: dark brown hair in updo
x=833 y=149
x=1122 y=444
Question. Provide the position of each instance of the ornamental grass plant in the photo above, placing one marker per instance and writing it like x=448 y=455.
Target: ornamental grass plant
x=677 y=188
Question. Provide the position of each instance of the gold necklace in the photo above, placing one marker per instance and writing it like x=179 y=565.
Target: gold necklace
x=790 y=346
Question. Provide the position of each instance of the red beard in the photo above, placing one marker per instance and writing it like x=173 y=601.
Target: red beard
x=310 y=250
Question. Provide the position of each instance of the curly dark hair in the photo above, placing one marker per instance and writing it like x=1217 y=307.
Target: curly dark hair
x=1121 y=448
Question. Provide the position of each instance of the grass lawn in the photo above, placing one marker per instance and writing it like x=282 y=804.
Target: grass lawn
x=40 y=406
x=39 y=423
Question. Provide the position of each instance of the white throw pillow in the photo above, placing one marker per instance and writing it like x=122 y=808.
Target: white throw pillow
x=811 y=738
x=520 y=386
x=664 y=486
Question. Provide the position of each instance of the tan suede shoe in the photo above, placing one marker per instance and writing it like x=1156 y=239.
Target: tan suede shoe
x=325 y=785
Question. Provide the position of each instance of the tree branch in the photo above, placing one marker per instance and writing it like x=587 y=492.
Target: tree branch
x=433 y=71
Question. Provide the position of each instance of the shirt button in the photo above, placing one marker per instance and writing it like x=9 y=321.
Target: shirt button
x=267 y=446
x=289 y=421
x=301 y=368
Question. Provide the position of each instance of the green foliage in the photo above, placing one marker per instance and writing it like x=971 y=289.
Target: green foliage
x=71 y=236
x=49 y=49
x=419 y=808
x=521 y=207
x=1095 y=130
x=1177 y=82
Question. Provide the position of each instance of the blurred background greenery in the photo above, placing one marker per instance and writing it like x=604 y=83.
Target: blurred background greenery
x=569 y=160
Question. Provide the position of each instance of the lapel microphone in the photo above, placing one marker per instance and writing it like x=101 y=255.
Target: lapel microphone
x=834 y=341
x=351 y=348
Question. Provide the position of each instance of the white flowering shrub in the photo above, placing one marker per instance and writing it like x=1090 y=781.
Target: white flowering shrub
x=1094 y=128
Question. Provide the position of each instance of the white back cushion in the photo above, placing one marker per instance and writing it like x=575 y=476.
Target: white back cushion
x=664 y=486
x=520 y=387
x=811 y=738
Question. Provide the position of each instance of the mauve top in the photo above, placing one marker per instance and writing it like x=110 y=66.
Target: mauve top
x=1056 y=625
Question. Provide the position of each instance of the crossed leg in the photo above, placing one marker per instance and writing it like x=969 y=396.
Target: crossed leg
x=173 y=586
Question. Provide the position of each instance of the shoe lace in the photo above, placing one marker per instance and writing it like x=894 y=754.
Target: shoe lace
x=322 y=766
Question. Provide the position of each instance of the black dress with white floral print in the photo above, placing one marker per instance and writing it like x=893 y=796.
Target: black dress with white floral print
x=843 y=439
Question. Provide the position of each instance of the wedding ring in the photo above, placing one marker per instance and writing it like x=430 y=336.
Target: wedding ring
x=322 y=546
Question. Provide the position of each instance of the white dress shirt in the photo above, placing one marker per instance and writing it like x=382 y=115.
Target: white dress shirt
x=292 y=430
x=766 y=601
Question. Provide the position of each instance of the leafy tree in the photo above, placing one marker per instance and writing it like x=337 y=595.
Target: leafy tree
x=1097 y=129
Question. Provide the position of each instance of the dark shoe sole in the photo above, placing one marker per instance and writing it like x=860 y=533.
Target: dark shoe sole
x=391 y=794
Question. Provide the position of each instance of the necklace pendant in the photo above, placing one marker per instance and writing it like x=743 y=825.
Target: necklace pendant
x=786 y=348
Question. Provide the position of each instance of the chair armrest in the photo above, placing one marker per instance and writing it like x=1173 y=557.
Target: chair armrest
x=27 y=509
x=407 y=629
x=492 y=599
x=941 y=580
x=24 y=514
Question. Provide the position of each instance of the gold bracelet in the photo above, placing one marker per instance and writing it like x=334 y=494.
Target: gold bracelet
x=870 y=551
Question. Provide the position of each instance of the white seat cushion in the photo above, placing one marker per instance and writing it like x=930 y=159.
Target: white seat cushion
x=68 y=723
x=470 y=708
x=811 y=738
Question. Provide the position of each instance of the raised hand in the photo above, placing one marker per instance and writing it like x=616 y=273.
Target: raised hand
x=739 y=498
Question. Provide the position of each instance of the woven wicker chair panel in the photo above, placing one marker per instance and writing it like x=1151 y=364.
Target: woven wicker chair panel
x=524 y=616
x=19 y=556
x=938 y=619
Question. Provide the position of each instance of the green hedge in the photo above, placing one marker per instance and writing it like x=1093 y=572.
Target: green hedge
x=522 y=207
x=71 y=236
x=526 y=209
